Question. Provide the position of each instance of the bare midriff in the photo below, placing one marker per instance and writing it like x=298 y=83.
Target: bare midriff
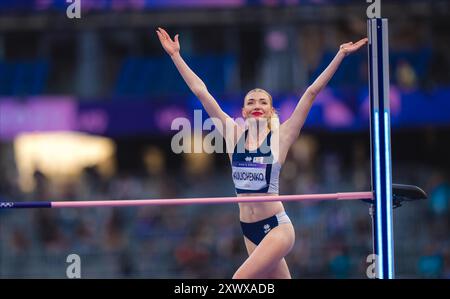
x=256 y=211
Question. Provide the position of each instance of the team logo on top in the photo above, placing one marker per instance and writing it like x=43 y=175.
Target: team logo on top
x=248 y=159
x=258 y=160
x=266 y=228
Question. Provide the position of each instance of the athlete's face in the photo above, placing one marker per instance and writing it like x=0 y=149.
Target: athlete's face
x=257 y=104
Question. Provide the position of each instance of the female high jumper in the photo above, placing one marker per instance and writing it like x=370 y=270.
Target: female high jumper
x=257 y=156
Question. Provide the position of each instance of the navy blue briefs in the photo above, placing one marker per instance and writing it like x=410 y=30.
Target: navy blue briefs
x=256 y=231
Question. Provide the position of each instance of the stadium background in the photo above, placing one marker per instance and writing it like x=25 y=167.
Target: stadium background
x=86 y=107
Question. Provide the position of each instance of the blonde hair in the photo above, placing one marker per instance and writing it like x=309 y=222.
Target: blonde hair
x=275 y=114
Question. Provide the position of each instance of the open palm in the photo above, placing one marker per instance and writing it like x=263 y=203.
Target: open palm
x=171 y=46
x=351 y=47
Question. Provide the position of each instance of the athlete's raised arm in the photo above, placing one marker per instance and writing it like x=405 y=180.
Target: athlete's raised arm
x=290 y=129
x=196 y=85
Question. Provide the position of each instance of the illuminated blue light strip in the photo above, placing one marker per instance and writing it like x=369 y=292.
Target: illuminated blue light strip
x=379 y=226
x=388 y=165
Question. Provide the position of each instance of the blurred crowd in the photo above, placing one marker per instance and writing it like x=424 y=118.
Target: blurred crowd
x=104 y=62
x=333 y=239
x=130 y=63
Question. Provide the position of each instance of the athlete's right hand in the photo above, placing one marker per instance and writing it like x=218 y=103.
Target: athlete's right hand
x=171 y=46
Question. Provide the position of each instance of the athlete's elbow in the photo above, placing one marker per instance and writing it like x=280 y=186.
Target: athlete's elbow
x=199 y=89
x=312 y=91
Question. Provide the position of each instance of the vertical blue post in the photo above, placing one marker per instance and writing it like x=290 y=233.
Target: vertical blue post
x=380 y=136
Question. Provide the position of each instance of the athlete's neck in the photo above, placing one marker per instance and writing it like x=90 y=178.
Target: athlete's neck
x=257 y=132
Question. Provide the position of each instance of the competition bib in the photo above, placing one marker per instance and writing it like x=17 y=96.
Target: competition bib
x=249 y=175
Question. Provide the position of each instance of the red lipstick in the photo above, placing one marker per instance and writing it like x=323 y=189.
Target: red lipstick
x=257 y=113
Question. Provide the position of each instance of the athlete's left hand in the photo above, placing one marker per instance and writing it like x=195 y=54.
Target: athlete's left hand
x=351 y=47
